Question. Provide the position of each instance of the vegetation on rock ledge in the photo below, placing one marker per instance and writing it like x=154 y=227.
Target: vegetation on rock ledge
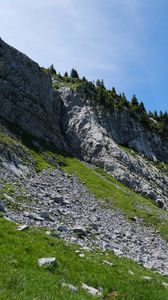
x=111 y=100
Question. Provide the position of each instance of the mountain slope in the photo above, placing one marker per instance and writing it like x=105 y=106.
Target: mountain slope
x=56 y=199
x=75 y=124
x=70 y=164
x=22 y=278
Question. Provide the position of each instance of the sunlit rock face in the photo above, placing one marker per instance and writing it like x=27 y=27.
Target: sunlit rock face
x=95 y=134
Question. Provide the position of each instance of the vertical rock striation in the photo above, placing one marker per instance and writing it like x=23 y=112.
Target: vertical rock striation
x=95 y=134
x=26 y=96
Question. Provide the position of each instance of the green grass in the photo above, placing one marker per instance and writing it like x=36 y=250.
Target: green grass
x=129 y=151
x=162 y=167
x=72 y=83
x=118 y=196
x=41 y=162
x=22 y=278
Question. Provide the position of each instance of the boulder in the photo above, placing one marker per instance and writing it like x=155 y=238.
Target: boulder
x=46 y=261
x=80 y=231
x=22 y=227
x=91 y=290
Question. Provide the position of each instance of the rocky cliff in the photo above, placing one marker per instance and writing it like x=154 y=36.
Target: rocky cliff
x=96 y=135
x=74 y=124
x=26 y=96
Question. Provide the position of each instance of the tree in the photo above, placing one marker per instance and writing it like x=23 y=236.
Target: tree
x=102 y=84
x=59 y=75
x=155 y=115
x=74 y=73
x=101 y=95
x=134 y=101
x=98 y=82
x=113 y=93
x=66 y=74
x=113 y=90
x=150 y=114
x=143 y=118
x=123 y=101
x=142 y=107
x=52 y=69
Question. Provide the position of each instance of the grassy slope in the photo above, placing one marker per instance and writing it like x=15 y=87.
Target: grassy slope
x=21 y=278
x=119 y=196
x=102 y=186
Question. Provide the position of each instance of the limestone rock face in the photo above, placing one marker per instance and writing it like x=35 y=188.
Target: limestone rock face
x=26 y=96
x=95 y=134
x=71 y=123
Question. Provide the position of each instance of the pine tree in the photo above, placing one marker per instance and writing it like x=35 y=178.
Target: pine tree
x=66 y=74
x=142 y=107
x=59 y=75
x=52 y=69
x=113 y=92
x=134 y=101
x=74 y=73
x=102 y=84
x=155 y=115
x=98 y=82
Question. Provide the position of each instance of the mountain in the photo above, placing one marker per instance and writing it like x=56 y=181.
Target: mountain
x=74 y=123
x=83 y=162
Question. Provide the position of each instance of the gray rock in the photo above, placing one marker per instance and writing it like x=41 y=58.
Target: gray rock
x=70 y=286
x=22 y=227
x=81 y=255
x=118 y=252
x=80 y=231
x=52 y=233
x=58 y=199
x=7 y=197
x=46 y=261
x=160 y=203
x=27 y=98
x=35 y=217
x=165 y=284
x=108 y=263
x=94 y=226
x=130 y=272
x=2 y=207
x=7 y=218
x=44 y=215
x=148 y=278
x=91 y=290
x=62 y=228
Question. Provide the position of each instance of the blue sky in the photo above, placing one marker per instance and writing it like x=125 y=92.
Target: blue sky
x=125 y=42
